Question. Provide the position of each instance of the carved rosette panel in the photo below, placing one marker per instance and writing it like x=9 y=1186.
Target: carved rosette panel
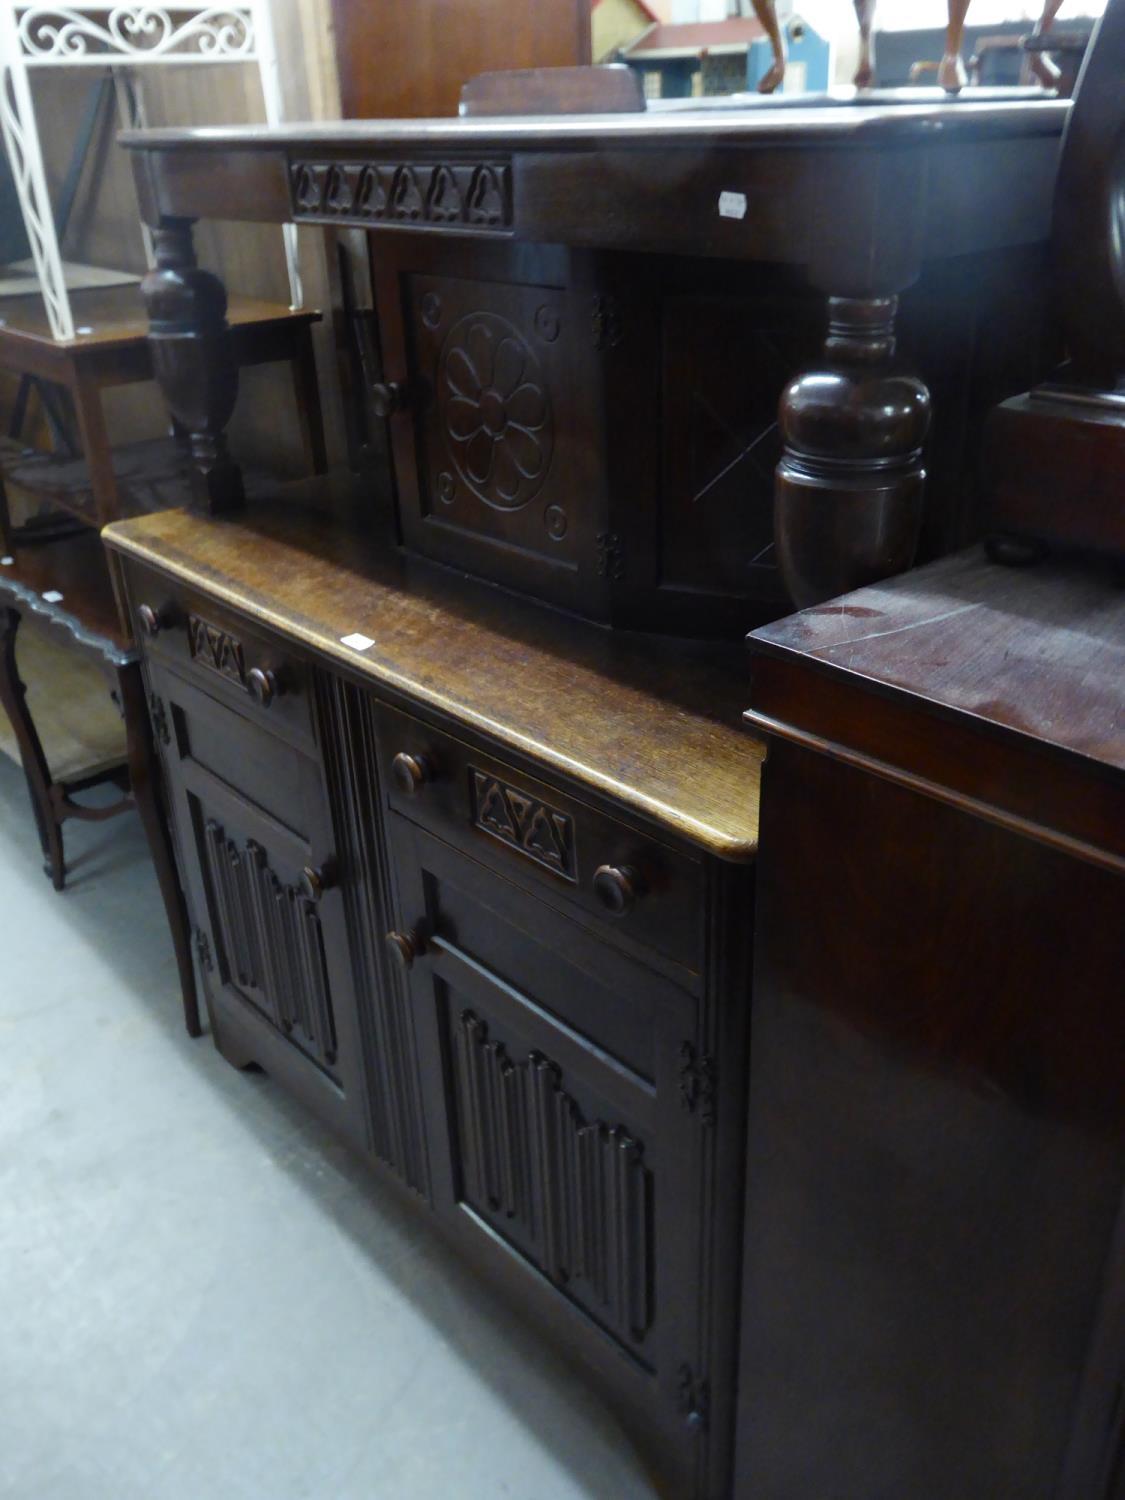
x=217 y=650
x=473 y=196
x=495 y=410
x=525 y=823
x=578 y=1189
x=271 y=943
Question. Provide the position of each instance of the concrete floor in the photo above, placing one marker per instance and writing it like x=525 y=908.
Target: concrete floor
x=202 y=1296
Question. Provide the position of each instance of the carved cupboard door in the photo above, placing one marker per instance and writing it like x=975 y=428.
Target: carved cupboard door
x=254 y=837
x=566 y=1137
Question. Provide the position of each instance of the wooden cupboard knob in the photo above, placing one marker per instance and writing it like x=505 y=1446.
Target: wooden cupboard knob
x=263 y=686
x=617 y=888
x=152 y=620
x=412 y=772
x=404 y=947
x=316 y=879
x=387 y=397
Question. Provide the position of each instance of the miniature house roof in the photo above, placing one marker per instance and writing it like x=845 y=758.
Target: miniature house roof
x=693 y=39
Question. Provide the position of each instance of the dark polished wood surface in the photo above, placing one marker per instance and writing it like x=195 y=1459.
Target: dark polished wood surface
x=654 y=725
x=1036 y=652
x=412 y=60
x=936 y=1157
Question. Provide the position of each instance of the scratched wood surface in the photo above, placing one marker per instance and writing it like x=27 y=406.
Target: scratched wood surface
x=1038 y=651
x=652 y=723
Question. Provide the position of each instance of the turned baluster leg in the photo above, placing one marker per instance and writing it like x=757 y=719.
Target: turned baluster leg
x=865 y=72
x=951 y=69
x=766 y=12
x=145 y=785
x=13 y=701
x=849 y=488
x=192 y=359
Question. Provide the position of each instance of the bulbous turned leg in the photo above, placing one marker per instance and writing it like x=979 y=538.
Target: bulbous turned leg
x=951 y=69
x=191 y=356
x=865 y=72
x=774 y=77
x=849 y=488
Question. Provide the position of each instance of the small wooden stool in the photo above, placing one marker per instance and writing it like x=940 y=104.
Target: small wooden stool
x=67 y=583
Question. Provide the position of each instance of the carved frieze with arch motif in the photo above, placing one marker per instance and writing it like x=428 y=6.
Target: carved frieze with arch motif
x=474 y=196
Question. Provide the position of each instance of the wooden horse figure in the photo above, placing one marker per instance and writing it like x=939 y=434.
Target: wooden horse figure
x=766 y=12
x=951 y=69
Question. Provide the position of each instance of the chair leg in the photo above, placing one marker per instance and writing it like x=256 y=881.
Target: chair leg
x=13 y=699
x=145 y=780
x=310 y=414
x=96 y=447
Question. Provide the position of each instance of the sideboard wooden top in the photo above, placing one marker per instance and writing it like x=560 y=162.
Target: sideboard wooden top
x=859 y=193
x=887 y=116
x=1037 y=652
x=653 y=723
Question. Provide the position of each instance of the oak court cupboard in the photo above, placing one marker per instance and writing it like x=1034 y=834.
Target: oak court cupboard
x=465 y=808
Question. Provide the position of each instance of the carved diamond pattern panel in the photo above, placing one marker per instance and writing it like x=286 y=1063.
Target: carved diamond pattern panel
x=574 y=1193
x=444 y=195
x=524 y=822
x=271 y=944
x=216 y=649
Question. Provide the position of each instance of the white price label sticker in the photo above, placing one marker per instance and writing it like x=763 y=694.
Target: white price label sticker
x=357 y=642
x=52 y=596
x=732 y=205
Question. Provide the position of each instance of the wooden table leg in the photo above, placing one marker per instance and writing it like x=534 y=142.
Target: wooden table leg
x=13 y=700
x=306 y=387
x=849 y=487
x=96 y=447
x=145 y=783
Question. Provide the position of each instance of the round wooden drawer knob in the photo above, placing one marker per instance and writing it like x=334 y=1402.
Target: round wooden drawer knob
x=411 y=772
x=387 y=397
x=404 y=947
x=152 y=620
x=316 y=879
x=617 y=887
x=263 y=686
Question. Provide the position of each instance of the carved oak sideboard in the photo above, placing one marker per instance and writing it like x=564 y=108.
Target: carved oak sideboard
x=477 y=892
x=471 y=874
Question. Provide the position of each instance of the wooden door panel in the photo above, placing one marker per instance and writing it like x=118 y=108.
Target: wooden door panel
x=584 y=1163
x=273 y=945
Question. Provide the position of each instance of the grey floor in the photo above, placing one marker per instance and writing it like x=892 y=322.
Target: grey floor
x=201 y=1294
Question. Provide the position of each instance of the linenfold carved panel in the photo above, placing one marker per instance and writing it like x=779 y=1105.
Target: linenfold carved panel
x=524 y=822
x=216 y=649
x=443 y=195
x=271 y=942
x=578 y=1189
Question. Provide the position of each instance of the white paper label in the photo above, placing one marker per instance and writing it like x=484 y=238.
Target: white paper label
x=6 y=562
x=732 y=205
x=357 y=642
x=52 y=596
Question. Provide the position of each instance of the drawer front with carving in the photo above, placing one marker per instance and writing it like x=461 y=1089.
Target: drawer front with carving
x=641 y=892
x=237 y=663
x=253 y=835
x=567 y=1129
